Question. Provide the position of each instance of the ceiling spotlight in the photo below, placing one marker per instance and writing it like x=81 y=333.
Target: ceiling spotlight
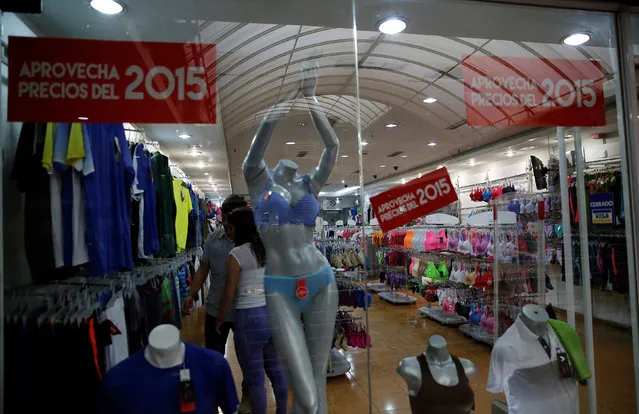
x=471 y=163
x=532 y=139
x=290 y=143
x=206 y=173
x=83 y=118
x=576 y=39
x=391 y=125
x=404 y=156
x=429 y=100
x=301 y=123
x=509 y=154
x=391 y=25
x=419 y=175
x=382 y=166
x=343 y=182
x=432 y=144
x=364 y=143
x=403 y=181
x=344 y=156
x=440 y=166
x=110 y=7
x=184 y=136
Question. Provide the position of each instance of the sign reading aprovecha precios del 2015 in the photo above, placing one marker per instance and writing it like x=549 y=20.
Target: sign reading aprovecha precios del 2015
x=66 y=80
x=521 y=91
x=402 y=204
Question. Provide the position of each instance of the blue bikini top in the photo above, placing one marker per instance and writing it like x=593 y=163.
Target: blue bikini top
x=272 y=209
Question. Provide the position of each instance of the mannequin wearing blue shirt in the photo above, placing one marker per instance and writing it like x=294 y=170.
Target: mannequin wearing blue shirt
x=149 y=381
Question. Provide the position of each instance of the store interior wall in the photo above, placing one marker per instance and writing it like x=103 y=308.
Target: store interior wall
x=16 y=269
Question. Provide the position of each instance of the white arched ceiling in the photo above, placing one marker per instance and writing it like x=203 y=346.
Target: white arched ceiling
x=261 y=48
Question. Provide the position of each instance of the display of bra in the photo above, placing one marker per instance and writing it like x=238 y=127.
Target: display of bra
x=272 y=209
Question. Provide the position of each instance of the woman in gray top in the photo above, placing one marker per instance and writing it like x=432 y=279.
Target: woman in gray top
x=253 y=341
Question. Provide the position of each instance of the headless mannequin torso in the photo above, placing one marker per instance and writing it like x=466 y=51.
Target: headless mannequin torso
x=536 y=319
x=440 y=364
x=165 y=350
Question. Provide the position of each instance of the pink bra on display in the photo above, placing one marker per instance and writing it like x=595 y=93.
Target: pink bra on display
x=412 y=265
x=487 y=321
x=448 y=305
x=442 y=240
x=431 y=242
x=481 y=247
x=453 y=241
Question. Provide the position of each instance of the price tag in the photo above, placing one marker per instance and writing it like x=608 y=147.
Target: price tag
x=402 y=204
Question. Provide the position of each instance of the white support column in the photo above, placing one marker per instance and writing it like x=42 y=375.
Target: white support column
x=585 y=272
x=565 y=224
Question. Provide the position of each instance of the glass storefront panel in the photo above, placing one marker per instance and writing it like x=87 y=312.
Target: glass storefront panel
x=134 y=134
x=525 y=122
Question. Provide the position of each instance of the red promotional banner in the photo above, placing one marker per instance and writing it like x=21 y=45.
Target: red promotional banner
x=63 y=80
x=521 y=91
x=416 y=198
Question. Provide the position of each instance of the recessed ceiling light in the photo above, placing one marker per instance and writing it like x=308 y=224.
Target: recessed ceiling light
x=429 y=100
x=432 y=144
x=83 y=118
x=364 y=143
x=343 y=182
x=404 y=156
x=576 y=39
x=184 y=136
x=419 y=175
x=532 y=139
x=391 y=25
x=201 y=165
x=344 y=156
x=391 y=125
x=206 y=173
x=107 y=6
x=290 y=143
x=471 y=163
x=403 y=181
x=382 y=166
x=440 y=166
x=509 y=154
x=568 y=135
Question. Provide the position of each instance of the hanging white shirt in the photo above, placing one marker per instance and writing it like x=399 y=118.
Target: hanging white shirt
x=521 y=368
x=119 y=348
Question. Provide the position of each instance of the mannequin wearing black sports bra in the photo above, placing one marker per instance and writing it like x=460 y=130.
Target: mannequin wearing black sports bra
x=298 y=281
x=437 y=381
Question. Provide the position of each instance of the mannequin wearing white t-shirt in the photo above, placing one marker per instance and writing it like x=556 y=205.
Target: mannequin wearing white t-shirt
x=165 y=350
x=440 y=364
x=527 y=371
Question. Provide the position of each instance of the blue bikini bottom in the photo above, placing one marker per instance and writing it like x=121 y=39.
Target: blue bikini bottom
x=299 y=289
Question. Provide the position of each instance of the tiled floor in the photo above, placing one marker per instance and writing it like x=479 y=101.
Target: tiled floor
x=398 y=332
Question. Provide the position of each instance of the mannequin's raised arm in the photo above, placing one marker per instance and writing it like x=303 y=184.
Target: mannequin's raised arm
x=254 y=167
x=321 y=173
x=319 y=176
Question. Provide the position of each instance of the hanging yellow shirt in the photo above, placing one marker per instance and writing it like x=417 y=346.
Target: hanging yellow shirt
x=183 y=206
x=47 y=154
x=75 y=150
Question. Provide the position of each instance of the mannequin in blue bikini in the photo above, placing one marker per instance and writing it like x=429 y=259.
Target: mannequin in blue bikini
x=298 y=282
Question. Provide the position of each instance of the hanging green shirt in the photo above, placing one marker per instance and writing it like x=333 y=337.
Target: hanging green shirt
x=572 y=344
x=166 y=210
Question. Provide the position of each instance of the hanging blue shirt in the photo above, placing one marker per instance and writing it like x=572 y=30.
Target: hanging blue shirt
x=146 y=185
x=108 y=200
x=136 y=387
